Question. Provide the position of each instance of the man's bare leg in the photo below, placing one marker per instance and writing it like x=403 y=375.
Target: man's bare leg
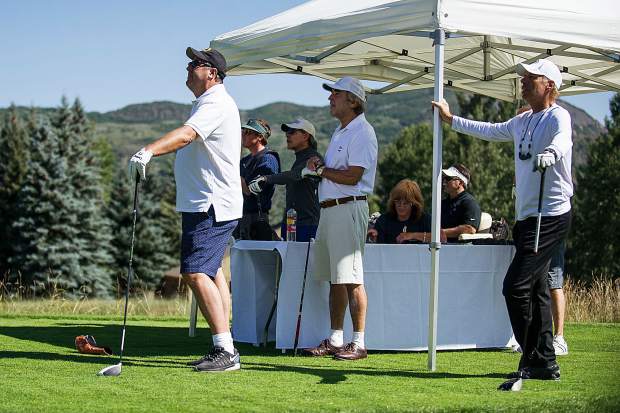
x=222 y=286
x=338 y=301
x=209 y=298
x=558 y=306
x=358 y=302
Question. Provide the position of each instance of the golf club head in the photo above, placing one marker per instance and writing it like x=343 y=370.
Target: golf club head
x=511 y=385
x=114 y=370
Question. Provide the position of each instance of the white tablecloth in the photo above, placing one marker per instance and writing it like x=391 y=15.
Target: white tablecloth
x=472 y=312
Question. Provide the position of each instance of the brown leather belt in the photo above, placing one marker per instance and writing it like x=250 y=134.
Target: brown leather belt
x=333 y=202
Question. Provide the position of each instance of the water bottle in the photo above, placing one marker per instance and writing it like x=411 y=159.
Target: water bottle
x=291 y=225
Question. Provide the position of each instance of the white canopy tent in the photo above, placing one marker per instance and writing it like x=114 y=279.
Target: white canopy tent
x=467 y=45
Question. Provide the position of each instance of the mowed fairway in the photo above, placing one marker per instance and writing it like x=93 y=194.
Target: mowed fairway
x=40 y=370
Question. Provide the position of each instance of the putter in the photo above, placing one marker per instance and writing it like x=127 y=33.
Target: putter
x=115 y=370
x=516 y=384
x=301 y=301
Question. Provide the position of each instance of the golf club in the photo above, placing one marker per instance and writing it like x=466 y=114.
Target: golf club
x=301 y=301
x=517 y=383
x=540 y=198
x=115 y=370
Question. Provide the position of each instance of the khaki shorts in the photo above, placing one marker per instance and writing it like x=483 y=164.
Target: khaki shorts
x=339 y=246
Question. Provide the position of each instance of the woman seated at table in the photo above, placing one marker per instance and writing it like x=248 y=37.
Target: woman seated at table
x=405 y=219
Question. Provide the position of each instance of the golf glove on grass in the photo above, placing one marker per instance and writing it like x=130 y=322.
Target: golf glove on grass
x=138 y=162
x=256 y=186
x=544 y=160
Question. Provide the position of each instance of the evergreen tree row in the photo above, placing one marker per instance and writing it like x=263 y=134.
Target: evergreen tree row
x=65 y=214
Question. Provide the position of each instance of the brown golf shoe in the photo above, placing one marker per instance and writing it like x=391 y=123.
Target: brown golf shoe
x=351 y=351
x=324 y=349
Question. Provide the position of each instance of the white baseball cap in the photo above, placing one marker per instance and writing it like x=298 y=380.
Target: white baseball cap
x=300 y=123
x=542 y=67
x=350 y=84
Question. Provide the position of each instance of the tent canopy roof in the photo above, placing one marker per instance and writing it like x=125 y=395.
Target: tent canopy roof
x=390 y=42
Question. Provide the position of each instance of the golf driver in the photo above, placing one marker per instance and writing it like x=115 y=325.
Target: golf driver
x=301 y=301
x=517 y=383
x=115 y=370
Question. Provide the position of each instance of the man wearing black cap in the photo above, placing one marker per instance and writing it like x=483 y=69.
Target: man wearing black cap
x=208 y=148
x=301 y=193
x=542 y=138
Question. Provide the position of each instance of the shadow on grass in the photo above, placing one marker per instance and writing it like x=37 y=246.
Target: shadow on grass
x=341 y=369
x=158 y=344
x=140 y=341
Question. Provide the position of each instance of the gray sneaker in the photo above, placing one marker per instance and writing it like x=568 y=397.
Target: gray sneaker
x=560 y=346
x=219 y=360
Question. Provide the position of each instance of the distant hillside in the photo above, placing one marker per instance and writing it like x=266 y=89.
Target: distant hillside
x=134 y=125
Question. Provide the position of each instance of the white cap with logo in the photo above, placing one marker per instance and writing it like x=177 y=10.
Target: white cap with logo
x=350 y=84
x=300 y=123
x=542 y=67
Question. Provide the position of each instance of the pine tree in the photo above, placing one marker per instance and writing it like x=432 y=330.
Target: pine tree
x=64 y=237
x=156 y=246
x=13 y=168
x=596 y=216
x=41 y=254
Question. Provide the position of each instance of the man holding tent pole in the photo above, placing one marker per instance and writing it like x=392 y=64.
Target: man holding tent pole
x=348 y=177
x=206 y=171
x=542 y=140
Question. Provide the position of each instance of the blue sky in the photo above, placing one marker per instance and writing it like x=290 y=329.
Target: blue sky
x=113 y=53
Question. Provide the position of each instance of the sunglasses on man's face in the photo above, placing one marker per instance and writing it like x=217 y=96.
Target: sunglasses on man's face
x=291 y=131
x=195 y=64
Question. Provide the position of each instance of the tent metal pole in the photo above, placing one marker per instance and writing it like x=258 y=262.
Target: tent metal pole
x=439 y=43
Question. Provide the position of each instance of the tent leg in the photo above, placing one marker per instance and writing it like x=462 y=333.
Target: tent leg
x=440 y=39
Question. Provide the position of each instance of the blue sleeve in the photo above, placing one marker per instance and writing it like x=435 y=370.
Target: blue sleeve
x=268 y=166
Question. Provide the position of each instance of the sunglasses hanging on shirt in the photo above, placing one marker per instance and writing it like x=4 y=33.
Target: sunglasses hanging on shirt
x=524 y=156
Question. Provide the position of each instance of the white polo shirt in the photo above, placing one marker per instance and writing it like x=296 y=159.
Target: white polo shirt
x=207 y=170
x=550 y=128
x=353 y=145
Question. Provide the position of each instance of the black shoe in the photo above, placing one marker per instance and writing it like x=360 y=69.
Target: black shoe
x=196 y=362
x=218 y=360
x=551 y=372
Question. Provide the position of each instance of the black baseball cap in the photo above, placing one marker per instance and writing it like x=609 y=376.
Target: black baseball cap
x=211 y=56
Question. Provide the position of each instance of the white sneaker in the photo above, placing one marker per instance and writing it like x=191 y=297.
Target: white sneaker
x=560 y=346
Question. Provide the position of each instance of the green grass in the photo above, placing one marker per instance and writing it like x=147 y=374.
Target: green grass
x=40 y=370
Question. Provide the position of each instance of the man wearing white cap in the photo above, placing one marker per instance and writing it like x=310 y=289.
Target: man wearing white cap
x=542 y=140
x=460 y=212
x=348 y=177
x=301 y=193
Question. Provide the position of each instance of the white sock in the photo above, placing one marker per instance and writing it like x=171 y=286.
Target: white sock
x=336 y=338
x=225 y=341
x=358 y=338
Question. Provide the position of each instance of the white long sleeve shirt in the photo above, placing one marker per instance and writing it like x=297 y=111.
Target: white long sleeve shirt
x=533 y=133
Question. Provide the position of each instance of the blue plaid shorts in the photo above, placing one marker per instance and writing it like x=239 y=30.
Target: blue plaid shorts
x=203 y=242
